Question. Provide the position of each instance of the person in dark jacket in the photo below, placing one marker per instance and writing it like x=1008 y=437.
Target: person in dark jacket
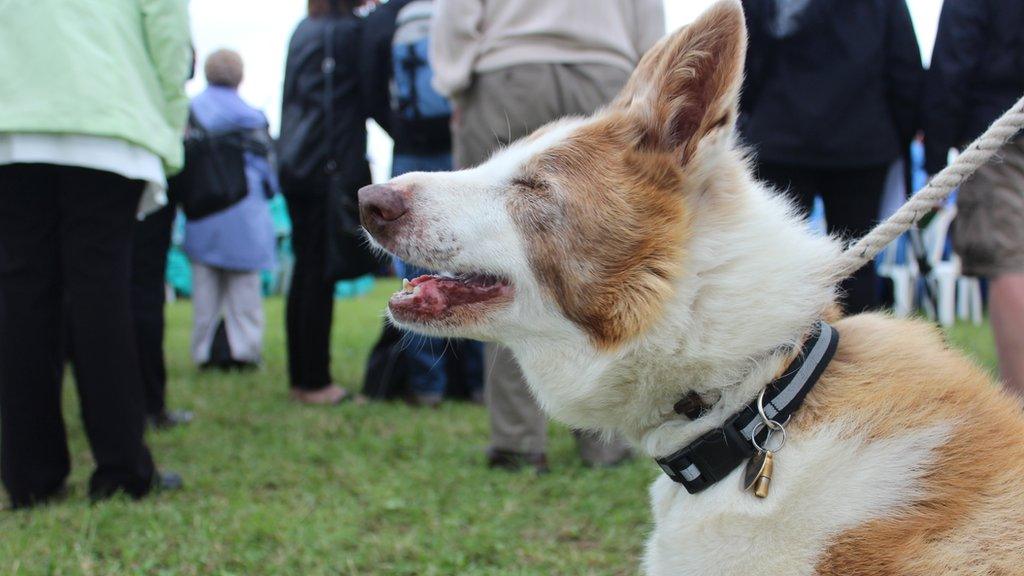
x=829 y=102
x=306 y=158
x=977 y=73
x=150 y=245
x=422 y=143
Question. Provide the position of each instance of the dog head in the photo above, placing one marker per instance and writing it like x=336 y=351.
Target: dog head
x=580 y=229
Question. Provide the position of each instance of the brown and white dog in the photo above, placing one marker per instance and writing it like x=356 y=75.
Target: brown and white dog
x=630 y=258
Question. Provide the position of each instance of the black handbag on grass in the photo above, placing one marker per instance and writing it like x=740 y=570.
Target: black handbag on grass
x=387 y=371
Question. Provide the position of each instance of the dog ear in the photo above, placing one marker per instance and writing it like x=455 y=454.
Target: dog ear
x=688 y=84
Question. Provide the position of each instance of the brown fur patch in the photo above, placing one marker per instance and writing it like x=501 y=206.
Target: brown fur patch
x=892 y=376
x=606 y=227
x=605 y=211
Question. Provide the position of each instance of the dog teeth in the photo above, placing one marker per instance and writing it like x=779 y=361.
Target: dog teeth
x=407 y=286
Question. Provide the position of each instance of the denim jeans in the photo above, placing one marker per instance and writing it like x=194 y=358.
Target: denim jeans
x=426 y=355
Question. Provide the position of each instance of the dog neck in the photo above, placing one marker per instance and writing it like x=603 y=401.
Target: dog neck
x=755 y=280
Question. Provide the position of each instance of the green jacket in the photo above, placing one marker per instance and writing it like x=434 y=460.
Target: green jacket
x=114 y=68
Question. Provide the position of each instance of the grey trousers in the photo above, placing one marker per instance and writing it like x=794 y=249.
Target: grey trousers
x=235 y=296
x=499 y=108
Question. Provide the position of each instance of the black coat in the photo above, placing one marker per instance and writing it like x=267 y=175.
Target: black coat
x=425 y=137
x=977 y=72
x=303 y=150
x=841 y=91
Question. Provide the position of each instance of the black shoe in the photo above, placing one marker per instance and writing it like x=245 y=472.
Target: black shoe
x=169 y=419
x=246 y=365
x=168 y=482
x=509 y=460
x=424 y=400
x=162 y=482
x=230 y=366
x=50 y=498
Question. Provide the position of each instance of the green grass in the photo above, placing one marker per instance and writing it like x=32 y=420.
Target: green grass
x=274 y=488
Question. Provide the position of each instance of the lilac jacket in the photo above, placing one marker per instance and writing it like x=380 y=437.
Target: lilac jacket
x=240 y=238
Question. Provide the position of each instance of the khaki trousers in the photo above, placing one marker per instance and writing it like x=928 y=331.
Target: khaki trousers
x=499 y=108
x=237 y=297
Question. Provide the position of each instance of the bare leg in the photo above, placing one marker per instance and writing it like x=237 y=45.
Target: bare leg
x=1007 y=309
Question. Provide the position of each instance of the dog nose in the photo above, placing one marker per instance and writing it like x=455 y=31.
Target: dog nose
x=380 y=205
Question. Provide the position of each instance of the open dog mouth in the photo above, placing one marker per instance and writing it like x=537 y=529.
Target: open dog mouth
x=438 y=296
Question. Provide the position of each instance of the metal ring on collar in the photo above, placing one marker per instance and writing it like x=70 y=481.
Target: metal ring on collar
x=771 y=432
x=771 y=424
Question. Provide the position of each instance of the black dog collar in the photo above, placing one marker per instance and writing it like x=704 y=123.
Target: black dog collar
x=717 y=453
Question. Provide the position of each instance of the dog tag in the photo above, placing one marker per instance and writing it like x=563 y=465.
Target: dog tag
x=758 y=476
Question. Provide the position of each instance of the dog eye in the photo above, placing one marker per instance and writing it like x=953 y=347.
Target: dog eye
x=529 y=183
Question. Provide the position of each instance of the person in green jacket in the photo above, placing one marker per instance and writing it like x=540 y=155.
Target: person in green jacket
x=92 y=112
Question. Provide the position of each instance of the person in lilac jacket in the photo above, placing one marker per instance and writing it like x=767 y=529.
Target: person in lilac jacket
x=230 y=248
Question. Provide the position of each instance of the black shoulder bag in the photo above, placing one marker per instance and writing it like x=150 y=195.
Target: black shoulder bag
x=213 y=178
x=348 y=253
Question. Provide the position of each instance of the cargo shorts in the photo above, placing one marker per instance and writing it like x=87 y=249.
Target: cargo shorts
x=988 y=233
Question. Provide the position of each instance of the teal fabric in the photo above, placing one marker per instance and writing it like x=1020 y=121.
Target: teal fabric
x=353 y=288
x=279 y=214
x=112 y=68
x=179 y=271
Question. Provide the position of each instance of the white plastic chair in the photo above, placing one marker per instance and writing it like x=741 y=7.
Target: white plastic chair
x=968 y=300
x=897 y=264
x=957 y=296
x=945 y=269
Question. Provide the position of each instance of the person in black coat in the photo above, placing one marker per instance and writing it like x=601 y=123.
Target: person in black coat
x=433 y=368
x=977 y=73
x=829 y=102
x=305 y=160
x=150 y=245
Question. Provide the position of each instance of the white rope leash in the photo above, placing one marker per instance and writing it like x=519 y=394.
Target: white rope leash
x=935 y=193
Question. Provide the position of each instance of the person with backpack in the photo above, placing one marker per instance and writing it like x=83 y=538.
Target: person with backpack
x=321 y=165
x=230 y=247
x=92 y=112
x=396 y=79
x=977 y=73
x=509 y=68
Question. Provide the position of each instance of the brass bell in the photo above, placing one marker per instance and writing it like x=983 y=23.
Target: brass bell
x=758 y=475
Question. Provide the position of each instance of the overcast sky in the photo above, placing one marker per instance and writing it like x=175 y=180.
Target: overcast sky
x=260 y=29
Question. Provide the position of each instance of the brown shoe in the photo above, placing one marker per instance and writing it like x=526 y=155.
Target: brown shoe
x=424 y=400
x=330 y=395
x=512 y=461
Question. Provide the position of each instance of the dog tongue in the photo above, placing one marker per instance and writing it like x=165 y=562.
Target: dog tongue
x=435 y=296
x=430 y=298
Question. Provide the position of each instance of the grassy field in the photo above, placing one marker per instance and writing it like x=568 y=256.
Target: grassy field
x=274 y=488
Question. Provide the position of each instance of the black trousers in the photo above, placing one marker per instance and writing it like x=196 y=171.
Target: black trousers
x=852 y=197
x=150 y=244
x=310 y=306
x=66 y=234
